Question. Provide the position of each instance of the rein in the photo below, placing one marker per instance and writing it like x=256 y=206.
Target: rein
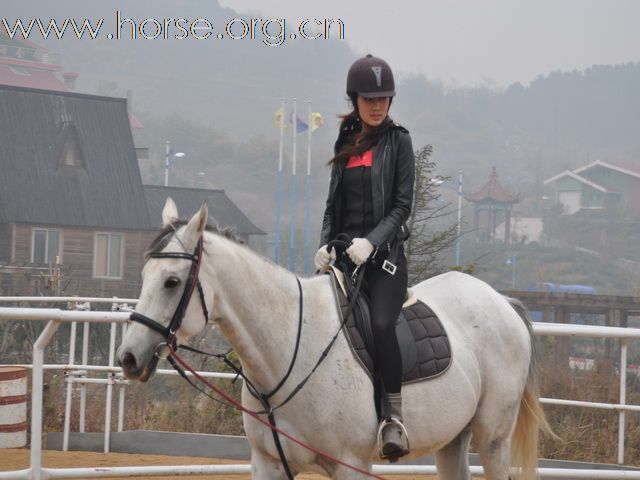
x=256 y=417
x=170 y=347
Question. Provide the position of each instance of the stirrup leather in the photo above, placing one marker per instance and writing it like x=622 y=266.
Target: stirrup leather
x=405 y=437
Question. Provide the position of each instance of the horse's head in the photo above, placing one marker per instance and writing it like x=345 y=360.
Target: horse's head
x=172 y=305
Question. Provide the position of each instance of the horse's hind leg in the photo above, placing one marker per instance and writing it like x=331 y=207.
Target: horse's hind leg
x=452 y=460
x=495 y=457
x=492 y=432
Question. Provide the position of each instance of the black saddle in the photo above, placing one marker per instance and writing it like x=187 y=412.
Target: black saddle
x=423 y=341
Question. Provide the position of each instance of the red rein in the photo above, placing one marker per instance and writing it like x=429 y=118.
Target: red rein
x=254 y=415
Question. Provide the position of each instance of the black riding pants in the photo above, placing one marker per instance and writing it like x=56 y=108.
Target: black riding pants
x=386 y=295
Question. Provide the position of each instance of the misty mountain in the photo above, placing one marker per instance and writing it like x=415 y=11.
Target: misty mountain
x=215 y=100
x=233 y=84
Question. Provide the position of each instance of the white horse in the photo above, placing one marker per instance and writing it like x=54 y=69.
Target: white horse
x=489 y=392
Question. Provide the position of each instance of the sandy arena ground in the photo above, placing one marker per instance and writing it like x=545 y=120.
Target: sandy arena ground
x=18 y=459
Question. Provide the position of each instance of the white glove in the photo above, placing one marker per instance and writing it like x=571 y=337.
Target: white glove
x=360 y=250
x=324 y=258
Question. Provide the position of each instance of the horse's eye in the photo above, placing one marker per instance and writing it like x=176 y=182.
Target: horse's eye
x=171 y=282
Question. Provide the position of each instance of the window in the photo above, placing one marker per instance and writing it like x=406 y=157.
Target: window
x=107 y=260
x=69 y=146
x=45 y=246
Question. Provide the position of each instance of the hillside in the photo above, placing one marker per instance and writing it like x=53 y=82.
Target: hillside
x=611 y=235
x=537 y=264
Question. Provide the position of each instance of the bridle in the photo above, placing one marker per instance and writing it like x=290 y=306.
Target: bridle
x=192 y=282
x=168 y=348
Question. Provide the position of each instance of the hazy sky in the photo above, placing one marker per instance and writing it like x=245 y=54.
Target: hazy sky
x=477 y=41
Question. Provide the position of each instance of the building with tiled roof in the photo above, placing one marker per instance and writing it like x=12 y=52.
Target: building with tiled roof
x=72 y=198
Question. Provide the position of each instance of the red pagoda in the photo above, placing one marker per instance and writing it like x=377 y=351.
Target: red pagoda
x=492 y=206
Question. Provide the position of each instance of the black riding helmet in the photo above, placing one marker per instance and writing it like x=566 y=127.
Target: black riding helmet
x=370 y=77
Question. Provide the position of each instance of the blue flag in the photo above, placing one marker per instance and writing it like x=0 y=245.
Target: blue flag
x=301 y=126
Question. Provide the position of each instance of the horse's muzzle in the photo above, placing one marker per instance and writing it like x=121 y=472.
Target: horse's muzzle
x=133 y=370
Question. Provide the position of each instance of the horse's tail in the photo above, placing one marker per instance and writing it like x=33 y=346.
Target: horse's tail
x=531 y=418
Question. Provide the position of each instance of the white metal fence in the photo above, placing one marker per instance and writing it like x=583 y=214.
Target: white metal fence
x=119 y=315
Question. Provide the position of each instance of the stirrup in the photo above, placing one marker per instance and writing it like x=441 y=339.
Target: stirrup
x=404 y=449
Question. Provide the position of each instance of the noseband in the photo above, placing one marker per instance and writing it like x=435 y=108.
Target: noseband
x=169 y=332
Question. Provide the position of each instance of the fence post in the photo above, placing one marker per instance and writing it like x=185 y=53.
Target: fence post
x=623 y=398
x=69 y=378
x=36 y=394
x=83 y=386
x=110 y=376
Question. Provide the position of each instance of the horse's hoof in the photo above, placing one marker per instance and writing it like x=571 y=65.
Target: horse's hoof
x=395 y=443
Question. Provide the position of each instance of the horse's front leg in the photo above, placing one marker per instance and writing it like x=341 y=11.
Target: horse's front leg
x=344 y=473
x=264 y=467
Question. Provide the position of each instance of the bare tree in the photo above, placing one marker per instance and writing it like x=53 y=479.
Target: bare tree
x=428 y=236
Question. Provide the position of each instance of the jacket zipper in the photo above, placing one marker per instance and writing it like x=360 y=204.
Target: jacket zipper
x=384 y=157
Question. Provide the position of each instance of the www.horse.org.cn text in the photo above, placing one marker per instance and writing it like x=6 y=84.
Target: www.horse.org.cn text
x=271 y=32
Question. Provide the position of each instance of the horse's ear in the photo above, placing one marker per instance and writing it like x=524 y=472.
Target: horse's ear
x=198 y=222
x=169 y=212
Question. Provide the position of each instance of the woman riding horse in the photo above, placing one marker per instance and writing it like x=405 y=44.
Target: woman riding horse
x=370 y=199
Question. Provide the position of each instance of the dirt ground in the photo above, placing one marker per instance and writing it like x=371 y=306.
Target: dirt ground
x=18 y=459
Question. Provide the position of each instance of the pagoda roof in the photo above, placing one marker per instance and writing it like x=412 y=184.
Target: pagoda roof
x=493 y=191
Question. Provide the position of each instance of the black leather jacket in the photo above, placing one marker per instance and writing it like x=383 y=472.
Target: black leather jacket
x=392 y=177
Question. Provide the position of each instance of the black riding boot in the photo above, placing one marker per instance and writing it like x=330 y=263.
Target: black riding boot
x=392 y=436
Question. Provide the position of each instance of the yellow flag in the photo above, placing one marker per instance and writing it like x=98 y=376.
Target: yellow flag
x=277 y=118
x=316 y=121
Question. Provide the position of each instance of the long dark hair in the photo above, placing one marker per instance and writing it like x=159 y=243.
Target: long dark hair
x=350 y=129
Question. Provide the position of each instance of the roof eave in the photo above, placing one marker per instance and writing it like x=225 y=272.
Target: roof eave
x=578 y=178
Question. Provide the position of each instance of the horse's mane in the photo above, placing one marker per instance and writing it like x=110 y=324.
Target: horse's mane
x=162 y=239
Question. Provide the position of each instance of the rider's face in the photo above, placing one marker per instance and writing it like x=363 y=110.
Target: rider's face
x=373 y=111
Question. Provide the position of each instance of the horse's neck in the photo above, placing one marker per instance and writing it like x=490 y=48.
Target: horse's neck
x=257 y=305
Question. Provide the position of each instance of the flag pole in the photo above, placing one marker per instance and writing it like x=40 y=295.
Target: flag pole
x=279 y=181
x=167 y=158
x=459 y=218
x=307 y=226
x=292 y=233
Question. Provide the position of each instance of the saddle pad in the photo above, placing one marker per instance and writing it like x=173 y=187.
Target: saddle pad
x=430 y=340
x=423 y=340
